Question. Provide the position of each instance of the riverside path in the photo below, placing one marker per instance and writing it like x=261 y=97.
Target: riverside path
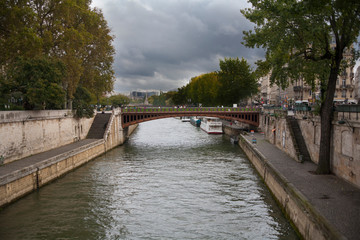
x=332 y=201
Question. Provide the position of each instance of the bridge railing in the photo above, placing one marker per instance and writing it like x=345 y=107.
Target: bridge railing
x=187 y=109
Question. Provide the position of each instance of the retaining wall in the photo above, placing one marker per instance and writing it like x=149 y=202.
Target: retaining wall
x=25 y=133
x=26 y=180
x=307 y=221
x=345 y=140
x=21 y=182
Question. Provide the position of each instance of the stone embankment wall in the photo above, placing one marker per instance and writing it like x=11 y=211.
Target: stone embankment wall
x=345 y=140
x=25 y=133
x=19 y=183
x=277 y=132
x=304 y=217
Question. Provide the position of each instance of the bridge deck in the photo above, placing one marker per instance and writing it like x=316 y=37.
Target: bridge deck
x=189 y=109
x=134 y=115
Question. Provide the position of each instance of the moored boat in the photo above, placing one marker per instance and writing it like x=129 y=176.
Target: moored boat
x=185 y=119
x=195 y=121
x=211 y=125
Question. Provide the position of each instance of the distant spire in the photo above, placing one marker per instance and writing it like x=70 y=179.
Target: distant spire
x=146 y=102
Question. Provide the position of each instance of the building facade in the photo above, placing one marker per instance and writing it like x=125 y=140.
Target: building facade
x=347 y=88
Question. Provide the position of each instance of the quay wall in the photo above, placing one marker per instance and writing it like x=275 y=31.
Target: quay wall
x=19 y=183
x=308 y=222
x=25 y=133
x=345 y=140
x=24 y=181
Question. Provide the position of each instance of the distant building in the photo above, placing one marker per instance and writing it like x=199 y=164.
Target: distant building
x=347 y=88
x=274 y=94
x=357 y=84
x=141 y=94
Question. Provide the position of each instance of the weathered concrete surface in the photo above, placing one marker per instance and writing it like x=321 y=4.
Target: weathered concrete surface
x=21 y=177
x=25 y=133
x=345 y=140
x=320 y=206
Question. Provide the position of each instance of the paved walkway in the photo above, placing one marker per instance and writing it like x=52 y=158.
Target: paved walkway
x=336 y=200
x=28 y=161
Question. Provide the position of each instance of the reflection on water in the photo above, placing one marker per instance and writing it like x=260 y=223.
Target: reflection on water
x=169 y=181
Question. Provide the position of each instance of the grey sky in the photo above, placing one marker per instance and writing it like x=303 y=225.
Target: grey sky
x=162 y=44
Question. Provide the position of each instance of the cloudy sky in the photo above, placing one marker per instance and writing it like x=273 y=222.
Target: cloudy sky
x=162 y=44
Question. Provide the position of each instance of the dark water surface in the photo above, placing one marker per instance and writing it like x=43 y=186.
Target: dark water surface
x=169 y=181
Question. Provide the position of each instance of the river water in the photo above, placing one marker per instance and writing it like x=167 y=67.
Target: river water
x=169 y=181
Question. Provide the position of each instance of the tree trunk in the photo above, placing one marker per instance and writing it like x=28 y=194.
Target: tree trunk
x=326 y=120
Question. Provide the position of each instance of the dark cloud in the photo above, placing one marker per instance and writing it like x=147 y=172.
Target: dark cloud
x=161 y=44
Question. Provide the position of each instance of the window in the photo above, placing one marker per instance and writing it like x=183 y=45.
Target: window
x=343 y=94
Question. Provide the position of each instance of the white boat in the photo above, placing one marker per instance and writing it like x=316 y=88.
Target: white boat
x=185 y=119
x=211 y=125
x=195 y=121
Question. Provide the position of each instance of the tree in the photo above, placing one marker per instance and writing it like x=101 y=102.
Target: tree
x=82 y=106
x=38 y=79
x=69 y=31
x=119 y=100
x=306 y=39
x=180 y=97
x=236 y=81
x=204 y=89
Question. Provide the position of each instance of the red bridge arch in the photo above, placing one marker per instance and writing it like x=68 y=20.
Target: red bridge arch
x=134 y=115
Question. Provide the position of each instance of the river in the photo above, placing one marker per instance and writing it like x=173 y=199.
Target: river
x=170 y=180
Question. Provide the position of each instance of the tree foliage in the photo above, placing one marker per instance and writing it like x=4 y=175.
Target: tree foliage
x=236 y=81
x=81 y=104
x=119 y=100
x=39 y=82
x=69 y=31
x=306 y=39
x=164 y=99
x=204 y=89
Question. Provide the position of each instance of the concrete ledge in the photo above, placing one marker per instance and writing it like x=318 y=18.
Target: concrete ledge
x=28 y=179
x=38 y=166
x=308 y=221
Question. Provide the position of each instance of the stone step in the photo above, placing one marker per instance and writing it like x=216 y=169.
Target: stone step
x=299 y=142
x=97 y=129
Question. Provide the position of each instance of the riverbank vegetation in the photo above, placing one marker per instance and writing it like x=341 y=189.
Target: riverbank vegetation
x=234 y=82
x=51 y=50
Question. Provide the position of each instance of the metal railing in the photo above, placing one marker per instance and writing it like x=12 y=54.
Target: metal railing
x=347 y=108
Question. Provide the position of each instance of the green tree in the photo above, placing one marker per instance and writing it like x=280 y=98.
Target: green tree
x=119 y=100
x=81 y=104
x=18 y=38
x=236 y=81
x=203 y=89
x=158 y=100
x=306 y=39
x=39 y=81
x=70 y=31
x=180 y=97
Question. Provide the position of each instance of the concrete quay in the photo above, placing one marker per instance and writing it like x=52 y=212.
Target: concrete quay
x=320 y=206
x=23 y=176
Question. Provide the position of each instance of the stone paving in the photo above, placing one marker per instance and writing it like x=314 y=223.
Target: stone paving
x=335 y=199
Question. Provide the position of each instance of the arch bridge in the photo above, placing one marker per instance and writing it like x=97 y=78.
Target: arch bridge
x=134 y=115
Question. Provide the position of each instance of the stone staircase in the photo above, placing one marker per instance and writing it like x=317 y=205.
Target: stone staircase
x=298 y=139
x=98 y=126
